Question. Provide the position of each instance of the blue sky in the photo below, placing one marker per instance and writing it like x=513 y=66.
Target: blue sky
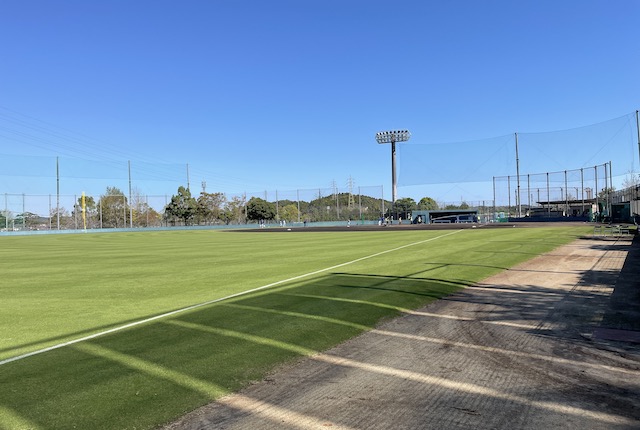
x=258 y=95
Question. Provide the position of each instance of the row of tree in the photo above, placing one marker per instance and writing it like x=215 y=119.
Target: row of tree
x=114 y=209
x=215 y=208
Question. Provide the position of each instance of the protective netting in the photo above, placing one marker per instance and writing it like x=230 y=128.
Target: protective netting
x=557 y=191
x=479 y=161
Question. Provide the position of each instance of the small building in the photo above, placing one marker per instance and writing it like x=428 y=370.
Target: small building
x=564 y=208
x=448 y=216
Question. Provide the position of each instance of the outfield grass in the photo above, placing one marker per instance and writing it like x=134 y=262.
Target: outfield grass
x=59 y=288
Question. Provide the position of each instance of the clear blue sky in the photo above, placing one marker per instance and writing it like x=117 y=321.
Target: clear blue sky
x=264 y=95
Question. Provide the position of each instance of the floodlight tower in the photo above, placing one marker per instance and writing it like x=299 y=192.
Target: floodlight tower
x=392 y=137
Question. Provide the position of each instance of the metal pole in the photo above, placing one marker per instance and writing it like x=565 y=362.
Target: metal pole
x=606 y=187
x=529 y=192
x=509 y=194
x=548 y=198
x=494 y=199
x=58 y=192
x=566 y=194
x=359 y=203
x=298 y=197
x=518 y=201
x=638 y=130
x=394 y=185
x=130 y=199
x=596 y=191
x=6 y=212
x=610 y=186
x=582 y=188
x=24 y=225
x=188 y=183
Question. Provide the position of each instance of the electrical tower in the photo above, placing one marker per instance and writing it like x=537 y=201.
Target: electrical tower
x=350 y=183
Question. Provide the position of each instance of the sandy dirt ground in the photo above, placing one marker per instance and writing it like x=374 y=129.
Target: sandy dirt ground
x=551 y=343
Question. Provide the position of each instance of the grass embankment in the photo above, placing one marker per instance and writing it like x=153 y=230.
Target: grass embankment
x=59 y=288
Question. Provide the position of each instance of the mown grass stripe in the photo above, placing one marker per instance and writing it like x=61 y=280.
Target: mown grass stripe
x=210 y=302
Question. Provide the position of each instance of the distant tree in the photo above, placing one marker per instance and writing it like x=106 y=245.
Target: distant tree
x=26 y=219
x=602 y=195
x=182 y=207
x=92 y=214
x=289 y=213
x=427 y=204
x=113 y=206
x=258 y=209
x=211 y=207
x=234 y=211
x=631 y=180
x=143 y=214
x=405 y=204
x=66 y=220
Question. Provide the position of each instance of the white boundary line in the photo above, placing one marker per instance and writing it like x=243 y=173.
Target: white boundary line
x=188 y=308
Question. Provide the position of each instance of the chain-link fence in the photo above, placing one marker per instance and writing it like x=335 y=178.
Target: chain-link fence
x=570 y=193
x=109 y=210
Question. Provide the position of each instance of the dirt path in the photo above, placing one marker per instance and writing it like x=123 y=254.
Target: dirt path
x=536 y=347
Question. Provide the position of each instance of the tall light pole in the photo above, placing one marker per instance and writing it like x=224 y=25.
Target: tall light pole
x=392 y=137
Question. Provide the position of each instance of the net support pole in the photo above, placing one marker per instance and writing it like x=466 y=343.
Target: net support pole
x=360 y=203
x=518 y=200
x=509 y=196
x=596 y=191
x=610 y=188
x=606 y=187
x=582 y=188
x=566 y=194
x=638 y=131
x=58 y=193
x=548 y=198
x=494 y=198
x=529 y=192
x=130 y=199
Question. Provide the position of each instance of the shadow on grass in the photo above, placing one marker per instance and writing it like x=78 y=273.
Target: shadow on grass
x=150 y=374
x=43 y=343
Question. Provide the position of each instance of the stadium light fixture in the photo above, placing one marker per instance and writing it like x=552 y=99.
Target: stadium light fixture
x=392 y=137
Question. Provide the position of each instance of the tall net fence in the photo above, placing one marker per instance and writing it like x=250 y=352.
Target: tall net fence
x=568 y=193
x=117 y=210
x=467 y=169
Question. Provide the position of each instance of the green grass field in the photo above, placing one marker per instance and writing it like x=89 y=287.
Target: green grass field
x=60 y=288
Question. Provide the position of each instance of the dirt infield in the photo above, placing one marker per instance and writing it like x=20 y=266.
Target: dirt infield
x=550 y=343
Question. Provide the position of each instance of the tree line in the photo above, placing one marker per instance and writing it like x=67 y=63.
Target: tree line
x=113 y=209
